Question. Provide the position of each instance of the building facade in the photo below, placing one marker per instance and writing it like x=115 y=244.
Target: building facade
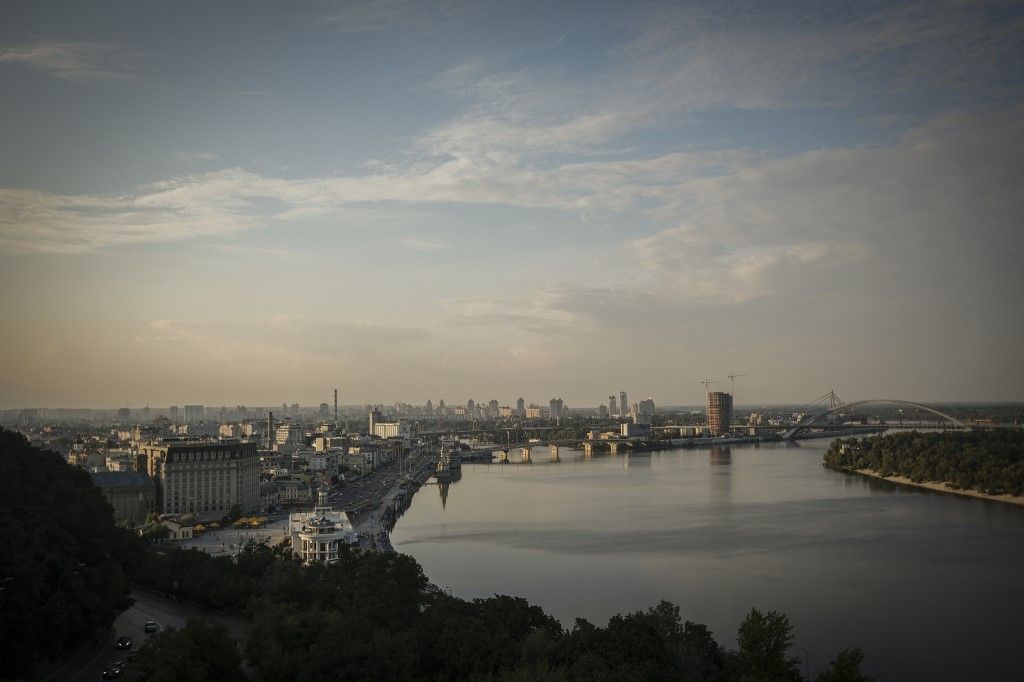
x=391 y=430
x=719 y=412
x=203 y=477
x=132 y=494
x=194 y=413
x=644 y=413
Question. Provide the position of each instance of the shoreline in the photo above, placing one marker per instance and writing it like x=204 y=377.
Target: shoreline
x=935 y=486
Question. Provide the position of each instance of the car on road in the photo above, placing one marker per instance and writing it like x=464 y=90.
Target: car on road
x=150 y=626
x=112 y=671
x=124 y=642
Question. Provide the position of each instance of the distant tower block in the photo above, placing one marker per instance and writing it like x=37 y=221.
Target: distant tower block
x=623 y=404
x=611 y=405
x=335 y=407
x=719 y=412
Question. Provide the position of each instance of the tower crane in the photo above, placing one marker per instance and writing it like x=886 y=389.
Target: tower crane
x=732 y=384
x=707 y=382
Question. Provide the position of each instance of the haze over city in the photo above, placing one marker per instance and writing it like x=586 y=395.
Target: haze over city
x=208 y=204
x=449 y=340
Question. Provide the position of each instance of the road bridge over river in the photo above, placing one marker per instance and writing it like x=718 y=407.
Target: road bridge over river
x=839 y=406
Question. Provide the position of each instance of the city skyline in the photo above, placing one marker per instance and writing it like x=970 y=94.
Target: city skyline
x=401 y=199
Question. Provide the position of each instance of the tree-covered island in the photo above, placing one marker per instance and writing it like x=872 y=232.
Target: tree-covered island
x=989 y=462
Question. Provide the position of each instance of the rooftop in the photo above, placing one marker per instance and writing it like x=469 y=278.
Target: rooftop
x=120 y=479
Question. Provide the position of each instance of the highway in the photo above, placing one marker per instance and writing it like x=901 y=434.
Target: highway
x=368 y=498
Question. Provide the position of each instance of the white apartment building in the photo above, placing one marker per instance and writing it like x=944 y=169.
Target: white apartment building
x=391 y=430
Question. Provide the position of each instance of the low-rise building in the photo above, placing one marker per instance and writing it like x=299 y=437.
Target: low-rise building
x=177 y=531
x=633 y=430
x=132 y=494
x=294 y=492
x=269 y=498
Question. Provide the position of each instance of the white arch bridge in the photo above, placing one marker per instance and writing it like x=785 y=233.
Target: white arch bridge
x=804 y=423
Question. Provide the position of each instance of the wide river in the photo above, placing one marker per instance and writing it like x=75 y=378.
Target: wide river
x=929 y=585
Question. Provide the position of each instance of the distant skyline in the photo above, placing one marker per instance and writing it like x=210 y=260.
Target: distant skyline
x=231 y=202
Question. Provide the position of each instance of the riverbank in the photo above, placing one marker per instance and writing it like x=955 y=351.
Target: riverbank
x=373 y=525
x=934 y=486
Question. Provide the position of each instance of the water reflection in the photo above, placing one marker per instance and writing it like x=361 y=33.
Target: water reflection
x=720 y=459
x=444 y=486
x=636 y=459
x=720 y=454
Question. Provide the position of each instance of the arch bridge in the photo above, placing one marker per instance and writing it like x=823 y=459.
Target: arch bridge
x=804 y=423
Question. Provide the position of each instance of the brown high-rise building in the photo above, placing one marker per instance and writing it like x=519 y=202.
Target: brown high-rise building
x=719 y=412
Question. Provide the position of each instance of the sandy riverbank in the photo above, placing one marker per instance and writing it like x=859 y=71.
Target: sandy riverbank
x=942 y=488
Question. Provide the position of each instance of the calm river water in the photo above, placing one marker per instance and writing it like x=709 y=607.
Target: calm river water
x=929 y=585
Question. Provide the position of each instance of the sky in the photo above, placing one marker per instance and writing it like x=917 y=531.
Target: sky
x=257 y=202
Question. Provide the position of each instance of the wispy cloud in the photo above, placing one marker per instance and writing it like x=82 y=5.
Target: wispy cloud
x=420 y=244
x=196 y=156
x=735 y=212
x=78 y=62
x=369 y=16
x=288 y=338
x=261 y=252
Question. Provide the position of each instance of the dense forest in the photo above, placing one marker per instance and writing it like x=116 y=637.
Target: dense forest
x=66 y=569
x=64 y=565
x=990 y=461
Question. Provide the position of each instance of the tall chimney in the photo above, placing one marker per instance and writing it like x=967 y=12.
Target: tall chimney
x=270 y=431
x=335 y=408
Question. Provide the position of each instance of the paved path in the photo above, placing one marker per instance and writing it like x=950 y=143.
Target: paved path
x=229 y=541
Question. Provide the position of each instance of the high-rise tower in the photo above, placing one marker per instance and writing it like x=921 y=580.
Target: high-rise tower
x=623 y=404
x=719 y=412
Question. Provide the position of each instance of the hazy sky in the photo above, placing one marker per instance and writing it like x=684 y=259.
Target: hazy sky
x=256 y=202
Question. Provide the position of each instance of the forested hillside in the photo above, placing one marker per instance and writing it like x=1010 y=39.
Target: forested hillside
x=64 y=565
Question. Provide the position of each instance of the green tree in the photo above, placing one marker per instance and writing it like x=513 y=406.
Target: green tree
x=197 y=652
x=765 y=640
x=845 y=668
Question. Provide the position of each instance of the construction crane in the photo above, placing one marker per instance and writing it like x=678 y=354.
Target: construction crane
x=732 y=384
x=706 y=382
